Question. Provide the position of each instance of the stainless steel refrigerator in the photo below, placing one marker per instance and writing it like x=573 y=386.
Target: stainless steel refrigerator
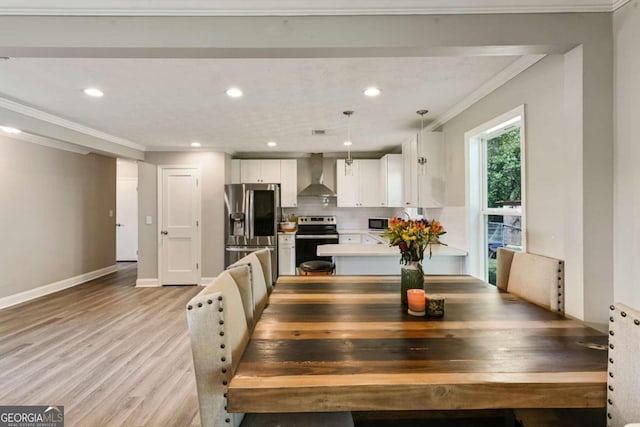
x=251 y=221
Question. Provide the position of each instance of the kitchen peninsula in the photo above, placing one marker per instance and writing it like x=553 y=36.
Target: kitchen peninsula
x=380 y=259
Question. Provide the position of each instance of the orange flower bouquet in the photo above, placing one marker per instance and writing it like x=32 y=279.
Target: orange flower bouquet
x=413 y=236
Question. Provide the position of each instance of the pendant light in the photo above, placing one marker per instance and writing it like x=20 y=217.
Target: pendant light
x=348 y=162
x=422 y=161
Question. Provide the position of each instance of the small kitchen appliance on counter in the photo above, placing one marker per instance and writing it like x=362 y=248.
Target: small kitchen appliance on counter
x=378 y=224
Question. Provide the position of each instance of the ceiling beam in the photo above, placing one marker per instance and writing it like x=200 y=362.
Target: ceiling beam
x=45 y=126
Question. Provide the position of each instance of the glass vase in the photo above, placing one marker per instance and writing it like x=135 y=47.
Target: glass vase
x=411 y=277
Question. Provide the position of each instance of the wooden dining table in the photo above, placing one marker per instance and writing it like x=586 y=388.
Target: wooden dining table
x=345 y=343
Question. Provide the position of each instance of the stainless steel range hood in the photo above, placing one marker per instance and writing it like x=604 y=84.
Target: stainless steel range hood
x=317 y=188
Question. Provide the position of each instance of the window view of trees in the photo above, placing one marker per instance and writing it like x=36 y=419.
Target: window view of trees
x=503 y=191
x=503 y=170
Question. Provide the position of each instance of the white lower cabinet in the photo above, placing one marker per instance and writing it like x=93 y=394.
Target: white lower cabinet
x=286 y=254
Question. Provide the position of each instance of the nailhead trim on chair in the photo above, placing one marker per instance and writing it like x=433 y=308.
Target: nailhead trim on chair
x=223 y=357
x=611 y=346
x=560 y=286
x=223 y=346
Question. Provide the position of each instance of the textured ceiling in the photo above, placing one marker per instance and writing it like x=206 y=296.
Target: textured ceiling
x=165 y=104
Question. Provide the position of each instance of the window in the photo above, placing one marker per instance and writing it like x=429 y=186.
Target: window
x=496 y=191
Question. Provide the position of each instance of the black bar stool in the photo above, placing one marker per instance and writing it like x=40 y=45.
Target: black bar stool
x=316 y=268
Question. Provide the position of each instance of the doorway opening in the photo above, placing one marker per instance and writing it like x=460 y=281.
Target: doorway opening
x=126 y=210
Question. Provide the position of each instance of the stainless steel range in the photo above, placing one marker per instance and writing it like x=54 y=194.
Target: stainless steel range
x=314 y=231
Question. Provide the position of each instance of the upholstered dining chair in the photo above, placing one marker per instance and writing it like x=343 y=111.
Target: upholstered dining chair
x=264 y=255
x=219 y=336
x=241 y=275
x=623 y=380
x=259 y=286
x=535 y=278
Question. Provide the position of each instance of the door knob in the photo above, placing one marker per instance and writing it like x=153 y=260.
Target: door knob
x=119 y=225
x=164 y=232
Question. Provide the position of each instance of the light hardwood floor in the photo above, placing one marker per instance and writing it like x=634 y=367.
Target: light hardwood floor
x=111 y=353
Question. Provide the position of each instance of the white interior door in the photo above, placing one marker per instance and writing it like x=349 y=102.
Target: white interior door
x=127 y=219
x=179 y=252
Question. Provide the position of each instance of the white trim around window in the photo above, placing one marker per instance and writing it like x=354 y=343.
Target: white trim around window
x=474 y=187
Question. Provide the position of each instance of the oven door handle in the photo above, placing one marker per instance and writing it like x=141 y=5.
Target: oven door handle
x=317 y=236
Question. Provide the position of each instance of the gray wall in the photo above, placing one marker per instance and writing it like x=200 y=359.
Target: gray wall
x=541 y=89
x=54 y=216
x=626 y=22
x=551 y=172
x=212 y=167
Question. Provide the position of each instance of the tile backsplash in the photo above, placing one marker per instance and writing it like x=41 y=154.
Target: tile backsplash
x=348 y=218
x=356 y=218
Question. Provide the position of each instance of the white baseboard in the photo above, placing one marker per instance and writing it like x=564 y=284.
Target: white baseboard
x=206 y=281
x=147 y=283
x=55 y=287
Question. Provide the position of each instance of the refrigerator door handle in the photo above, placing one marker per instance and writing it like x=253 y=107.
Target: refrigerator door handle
x=245 y=203
x=251 y=218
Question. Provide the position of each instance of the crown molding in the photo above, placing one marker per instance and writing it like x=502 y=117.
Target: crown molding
x=617 y=4
x=515 y=68
x=297 y=7
x=68 y=124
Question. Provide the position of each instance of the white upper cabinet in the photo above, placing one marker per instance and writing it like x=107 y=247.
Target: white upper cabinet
x=369 y=183
x=235 y=172
x=423 y=185
x=347 y=185
x=410 y=173
x=260 y=171
x=289 y=183
x=250 y=171
x=431 y=175
x=270 y=171
x=391 y=180
x=363 y=187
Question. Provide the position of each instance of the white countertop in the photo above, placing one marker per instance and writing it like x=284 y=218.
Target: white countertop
x=360 y=231
x=369 y=250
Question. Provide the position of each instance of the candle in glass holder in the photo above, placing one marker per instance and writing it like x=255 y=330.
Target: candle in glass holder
x=416 y=300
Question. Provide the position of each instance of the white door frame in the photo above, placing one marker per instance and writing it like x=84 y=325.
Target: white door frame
x=161 y=168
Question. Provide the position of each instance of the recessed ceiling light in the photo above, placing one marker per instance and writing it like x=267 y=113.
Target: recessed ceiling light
x=347 y=143
x=234 y=92
x=9 y=129
x=92 y=91
x=196 y=144
x=372 y=91
x=272 y=143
